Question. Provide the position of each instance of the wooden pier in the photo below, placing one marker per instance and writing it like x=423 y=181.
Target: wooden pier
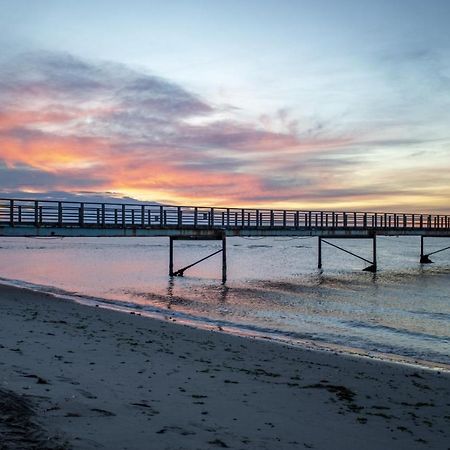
x=19 y=217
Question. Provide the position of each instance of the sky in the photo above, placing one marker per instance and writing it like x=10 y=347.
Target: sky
x=298 y=104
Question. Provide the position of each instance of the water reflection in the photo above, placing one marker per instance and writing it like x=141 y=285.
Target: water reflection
x=224 y=289
x=274 y=285
x=170 y=287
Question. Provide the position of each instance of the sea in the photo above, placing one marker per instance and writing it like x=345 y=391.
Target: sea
x=274 y=288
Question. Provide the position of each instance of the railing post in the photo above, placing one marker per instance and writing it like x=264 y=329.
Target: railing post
x=212 y=217
x=36 y=213
x=243 y=218
x=195 y=216
x=161 y=214
x=284 y=219
x=11 y=212
x=103 y=214
x=228 y=217
x=257 y=217
x=59 y=214
x=309 y=219
x=271 y=218
x=142 y=215
x=179 y=217
x=123 y=216
x=81 y=214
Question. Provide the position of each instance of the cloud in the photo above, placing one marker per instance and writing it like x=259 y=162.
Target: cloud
x=26 y=177
x=71 y=125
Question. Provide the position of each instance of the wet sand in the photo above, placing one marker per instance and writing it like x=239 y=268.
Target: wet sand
x=81 y=377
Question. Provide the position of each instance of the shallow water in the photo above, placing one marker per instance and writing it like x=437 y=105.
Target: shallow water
x=274 y=286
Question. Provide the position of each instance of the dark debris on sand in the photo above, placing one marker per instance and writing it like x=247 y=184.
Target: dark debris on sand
x=19 y=429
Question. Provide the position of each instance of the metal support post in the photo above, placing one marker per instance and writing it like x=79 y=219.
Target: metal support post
x=171 y=257
x=373 y=266
x=424 y=259
x=374 y=247
x=319 y=261
x=224 y=259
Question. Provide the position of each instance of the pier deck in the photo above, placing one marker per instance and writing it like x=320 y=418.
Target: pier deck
x=53 y=218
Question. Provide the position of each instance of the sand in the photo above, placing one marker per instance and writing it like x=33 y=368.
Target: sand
x=74 y=376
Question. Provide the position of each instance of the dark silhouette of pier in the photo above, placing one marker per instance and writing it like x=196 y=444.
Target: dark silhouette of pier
x=20 y=217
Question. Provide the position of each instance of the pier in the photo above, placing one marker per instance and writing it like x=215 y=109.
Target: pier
x=26 y=218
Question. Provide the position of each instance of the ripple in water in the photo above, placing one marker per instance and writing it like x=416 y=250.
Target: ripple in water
x=274 y=286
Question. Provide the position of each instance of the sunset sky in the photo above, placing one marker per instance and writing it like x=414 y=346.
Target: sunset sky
x=295 y=104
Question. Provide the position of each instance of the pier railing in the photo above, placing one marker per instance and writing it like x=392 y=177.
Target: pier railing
x=16 y=212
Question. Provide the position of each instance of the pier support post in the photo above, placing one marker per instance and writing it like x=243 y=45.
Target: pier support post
x=319 y=253
x=374 y=247
x=373 y=266
x=224 y=259
x=373 y=263
x=171 y=257
x=424 y=259
x=216 y=237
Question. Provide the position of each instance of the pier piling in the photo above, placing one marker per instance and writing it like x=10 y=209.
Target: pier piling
x=319 y=253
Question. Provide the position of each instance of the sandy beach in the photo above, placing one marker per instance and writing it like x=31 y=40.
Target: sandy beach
x=81 y=377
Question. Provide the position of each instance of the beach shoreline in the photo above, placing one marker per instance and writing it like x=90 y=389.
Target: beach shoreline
x=99 y=378
x=212 y=325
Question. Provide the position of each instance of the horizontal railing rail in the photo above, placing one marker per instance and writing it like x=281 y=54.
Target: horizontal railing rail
x=90 y=214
